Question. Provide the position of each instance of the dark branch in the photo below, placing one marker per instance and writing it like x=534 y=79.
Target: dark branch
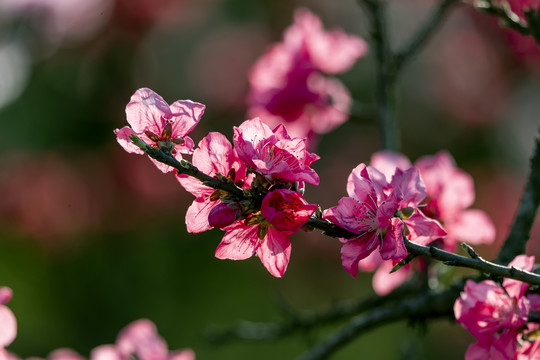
x=385 y=74
x=423 y=34
x=306 y=320
x=429 y=305
x=185 y=167
x=516 y=241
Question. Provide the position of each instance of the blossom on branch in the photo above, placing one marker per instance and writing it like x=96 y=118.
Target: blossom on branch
x=497 y=314
x=160 y=125
x=381 y=213
x=450 y=192
x=214 y=155
x=287 y=85
x=274 y=154
x=269 y=166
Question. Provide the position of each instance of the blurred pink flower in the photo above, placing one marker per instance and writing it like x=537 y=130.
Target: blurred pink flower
x=495 y=314
x=140 y=339
x=286 y=82
x=159 y=124
x=39 y=195
x=370 y=211
x=8 y=323
x=273 y=153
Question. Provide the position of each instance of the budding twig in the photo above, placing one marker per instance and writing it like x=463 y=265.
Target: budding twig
x=185 y=167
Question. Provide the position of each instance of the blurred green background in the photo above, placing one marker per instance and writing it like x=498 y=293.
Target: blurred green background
x=92 y=238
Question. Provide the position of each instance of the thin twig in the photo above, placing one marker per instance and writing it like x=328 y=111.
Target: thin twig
x=423 y=34
x=516 y=241
x=429 y=305
x=306 y=320
x=185 y=167
x=502 y=11
x=477 y=263
x=385 y=78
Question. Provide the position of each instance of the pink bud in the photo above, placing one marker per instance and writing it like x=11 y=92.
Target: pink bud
x=223 y=214
x=5 y=295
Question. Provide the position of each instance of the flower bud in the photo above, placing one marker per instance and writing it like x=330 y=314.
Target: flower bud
x=223 y=214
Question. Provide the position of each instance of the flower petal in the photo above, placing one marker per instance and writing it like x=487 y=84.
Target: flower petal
x=238 y=243
x=275 y=252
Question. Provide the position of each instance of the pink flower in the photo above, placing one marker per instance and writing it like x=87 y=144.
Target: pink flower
x=273 y=153
x=283 y=212
x=159 y=124
x=286 y=82
x=242 y=241
x=214 y=155
x=286 y=210
x=495 y=314
x=449 y=192
x=379 y=212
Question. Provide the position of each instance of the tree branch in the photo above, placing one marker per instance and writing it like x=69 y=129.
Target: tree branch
x=423 y=34
x=306 y=320
x=516 y=241
x=185 y=167
x=430 y=305
x=385 y=80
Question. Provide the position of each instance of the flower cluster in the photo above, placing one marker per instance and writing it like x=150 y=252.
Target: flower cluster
x=497 y=316
x=381 y=212
x=271 y=169
x=450 y=193
x=287 y=85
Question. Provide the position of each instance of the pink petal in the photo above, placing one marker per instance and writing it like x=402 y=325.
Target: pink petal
x=65 y=354
x=384 y=281
x=238 y=243
x=358 y=183
x=214 y=154
x=387 y=162
x=194 y=186
x=344 y=215
x=392 y=246
x=275 y=252
x=122 y=136
x=332 y=110
x=197 y=215
x=147 y=110
x=105 y=352
x=473 y=227
x=516 y=289
x=411 y=186
x=353 y=251
x=8 y=326
x=423 y=230
x=186 y=115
